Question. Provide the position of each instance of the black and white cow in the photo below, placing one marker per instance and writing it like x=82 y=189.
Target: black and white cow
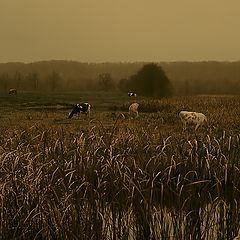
x=12 y=91
x=80 y=108
x=132 y=94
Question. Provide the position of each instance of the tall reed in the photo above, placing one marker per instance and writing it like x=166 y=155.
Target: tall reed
x=125 y=181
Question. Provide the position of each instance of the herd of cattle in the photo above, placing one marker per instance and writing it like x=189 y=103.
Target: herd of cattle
x=85 y=108
x=187 y=118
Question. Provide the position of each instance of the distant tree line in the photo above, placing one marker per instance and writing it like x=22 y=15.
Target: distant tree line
x=30 y=81
x=181 y=78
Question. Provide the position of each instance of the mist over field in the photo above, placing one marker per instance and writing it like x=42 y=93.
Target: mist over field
x=187 y=78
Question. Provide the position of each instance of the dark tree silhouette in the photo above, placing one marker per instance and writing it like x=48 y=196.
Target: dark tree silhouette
x=151 y=80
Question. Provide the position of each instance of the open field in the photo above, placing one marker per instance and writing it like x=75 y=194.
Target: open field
x=113 y=177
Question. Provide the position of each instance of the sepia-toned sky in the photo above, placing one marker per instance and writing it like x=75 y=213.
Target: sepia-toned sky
x=119 y=30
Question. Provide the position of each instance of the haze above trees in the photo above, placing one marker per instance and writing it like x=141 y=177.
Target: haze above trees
x=186 y=78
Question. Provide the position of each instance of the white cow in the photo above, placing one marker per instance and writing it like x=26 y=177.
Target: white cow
x=192 y=118
x=133 y=109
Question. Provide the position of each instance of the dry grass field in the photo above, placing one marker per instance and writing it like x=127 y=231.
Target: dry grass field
x=111 y=176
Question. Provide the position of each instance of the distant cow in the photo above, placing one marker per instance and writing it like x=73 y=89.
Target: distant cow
x=192 y=118
x=12 y=91
x=80 y=108
x=133 y=109
x=132 y=94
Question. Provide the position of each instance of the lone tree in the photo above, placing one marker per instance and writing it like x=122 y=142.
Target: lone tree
x=151 y=80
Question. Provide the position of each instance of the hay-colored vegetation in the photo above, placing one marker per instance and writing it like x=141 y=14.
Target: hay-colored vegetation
x=114 y=177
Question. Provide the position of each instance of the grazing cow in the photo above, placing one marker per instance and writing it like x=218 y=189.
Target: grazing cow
x=80 y=108
x=192 y=118
x=131 y=94
x=12 y=91
x=133 y=109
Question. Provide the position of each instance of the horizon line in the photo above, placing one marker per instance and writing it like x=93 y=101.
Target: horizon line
x=118 y=62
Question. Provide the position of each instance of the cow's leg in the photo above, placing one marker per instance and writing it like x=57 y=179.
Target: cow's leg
x=197 y=126
x=184 y=126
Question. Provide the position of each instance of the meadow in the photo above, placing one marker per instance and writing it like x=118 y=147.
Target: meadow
x=111 y=176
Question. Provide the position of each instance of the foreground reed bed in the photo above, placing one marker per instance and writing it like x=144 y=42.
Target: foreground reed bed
x=126 y=181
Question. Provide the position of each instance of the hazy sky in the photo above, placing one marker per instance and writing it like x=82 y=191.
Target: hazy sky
x=119 y=30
